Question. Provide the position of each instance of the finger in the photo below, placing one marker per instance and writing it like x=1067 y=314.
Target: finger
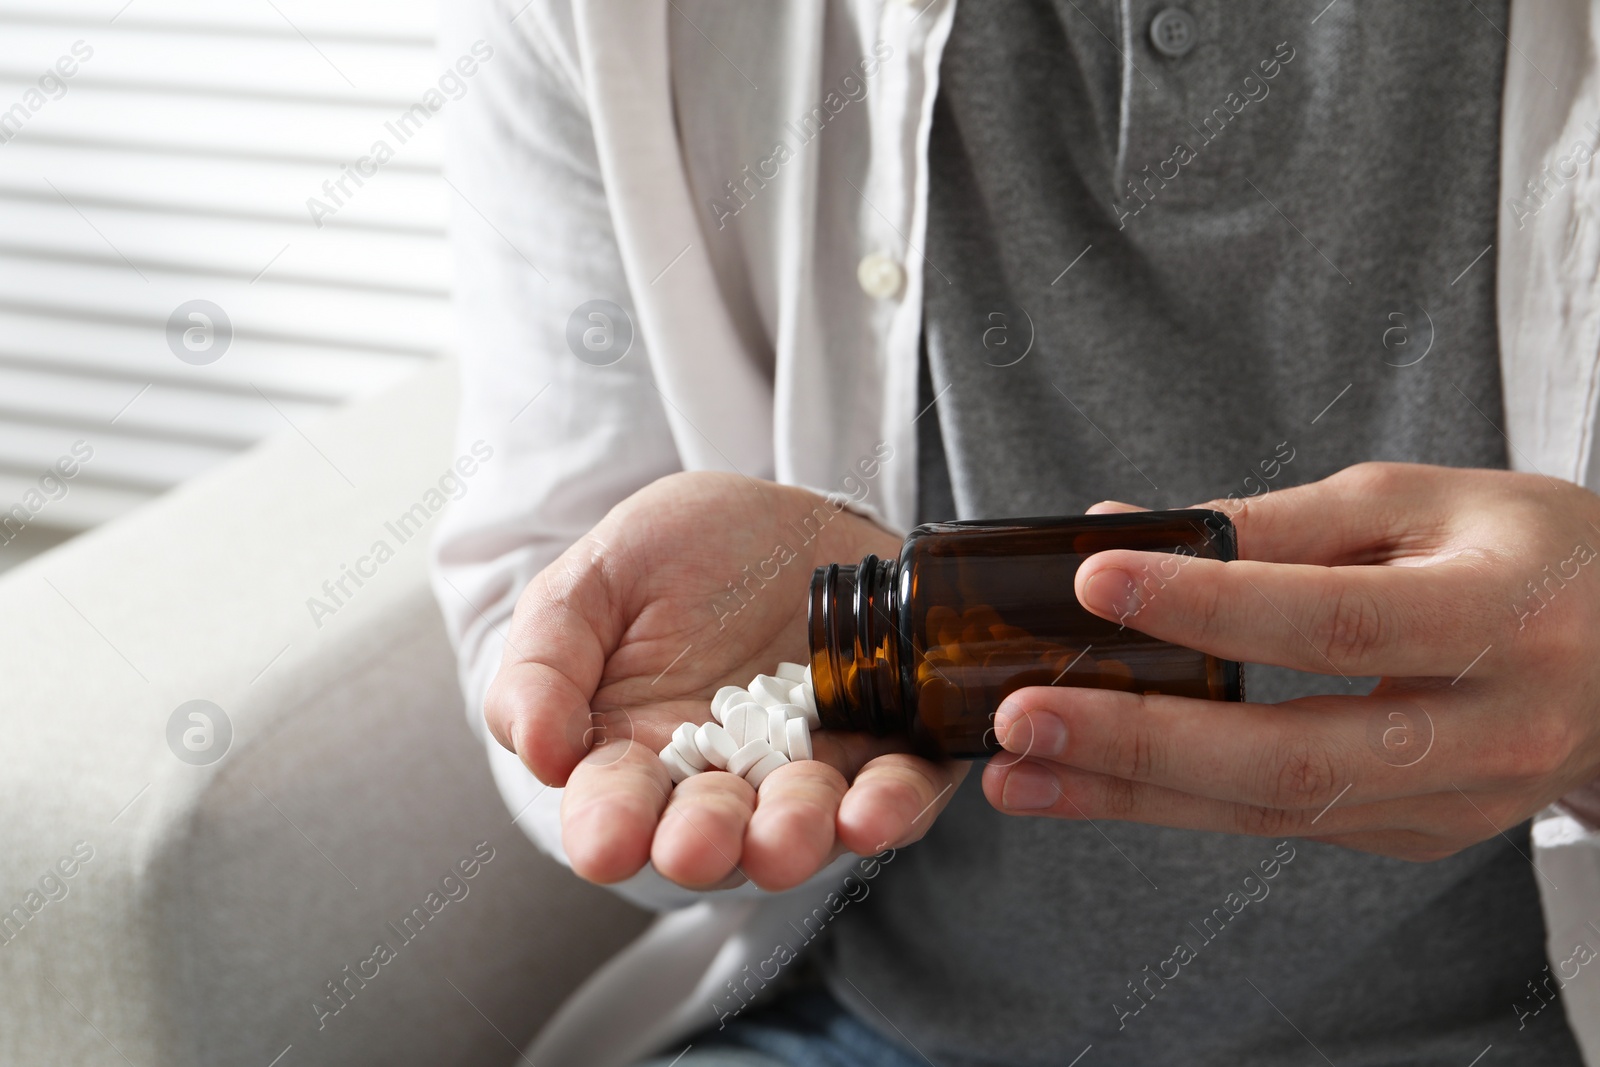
x=848 y=751
x=791 y=835
x=1354 y=620
x=1113 y=507
x=1362 y=514
x=701 y=835
x=539 y=713
x=614 y=809
x=538 y=704
x=1033 y=787
x=894 y=800
x=610 y=809
x=1301 y=755
x=1410 y=845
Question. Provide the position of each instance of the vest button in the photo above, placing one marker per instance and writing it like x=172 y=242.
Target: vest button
x=1173 y=32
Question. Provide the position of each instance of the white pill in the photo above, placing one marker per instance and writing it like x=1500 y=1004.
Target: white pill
x=791 y=672
x=807 y=678
x=683 y=744
x=748 y=756
x=738 y=721
x=727 y=697
x=799 y=737
x=802 y=696
x=757 y=725
x=776 y=737
x=791 y=713
x=769 y=690
x=765 y=766
x=676 y=765
x=715 y=745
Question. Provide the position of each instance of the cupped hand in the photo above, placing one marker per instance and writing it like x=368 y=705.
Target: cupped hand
x=1473 y=594
x=695 y=582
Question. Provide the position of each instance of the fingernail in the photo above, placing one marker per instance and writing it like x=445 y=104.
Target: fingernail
x=1111 y=593
x=1032 y=733
x=1029 y=787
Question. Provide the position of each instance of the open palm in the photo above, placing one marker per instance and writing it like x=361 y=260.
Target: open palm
x=697 y=581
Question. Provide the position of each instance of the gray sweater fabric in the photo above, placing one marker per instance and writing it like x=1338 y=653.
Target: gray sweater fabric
x=1161 y=280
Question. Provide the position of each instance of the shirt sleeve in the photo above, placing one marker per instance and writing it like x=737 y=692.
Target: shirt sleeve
x=557 y=438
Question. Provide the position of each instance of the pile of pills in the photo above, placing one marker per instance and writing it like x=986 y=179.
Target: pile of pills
x=757 y=728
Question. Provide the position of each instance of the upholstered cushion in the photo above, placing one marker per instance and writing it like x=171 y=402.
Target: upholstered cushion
x=221 y=898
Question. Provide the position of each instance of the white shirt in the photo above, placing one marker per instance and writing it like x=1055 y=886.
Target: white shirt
x=609 y=150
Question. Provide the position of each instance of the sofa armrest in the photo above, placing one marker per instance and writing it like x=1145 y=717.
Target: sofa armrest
x=222 y=902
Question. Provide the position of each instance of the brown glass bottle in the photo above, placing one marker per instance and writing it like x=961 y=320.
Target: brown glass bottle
x=929 y=645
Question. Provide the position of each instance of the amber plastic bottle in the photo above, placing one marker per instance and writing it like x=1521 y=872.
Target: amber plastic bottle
x=928 y=645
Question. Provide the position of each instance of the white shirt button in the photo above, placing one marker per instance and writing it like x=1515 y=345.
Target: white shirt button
x=880 y=276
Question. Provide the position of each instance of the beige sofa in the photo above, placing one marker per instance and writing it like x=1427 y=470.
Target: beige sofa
x=222 y=901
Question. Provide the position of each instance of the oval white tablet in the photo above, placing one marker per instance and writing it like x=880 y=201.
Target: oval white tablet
x=765 y=766
x=775 y=733
x=675 y=765
x=744 y=721
x=803 y=696
x=683 y=744
x=748 y=755
x=715 y=745
x=769 y=690
x=799 y=737
x=791 y=672
x=726 y=697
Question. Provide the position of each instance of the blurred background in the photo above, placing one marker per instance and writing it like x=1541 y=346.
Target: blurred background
x=167 y=295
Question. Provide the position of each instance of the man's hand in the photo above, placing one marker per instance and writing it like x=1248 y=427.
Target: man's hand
x=1474 y=594
x=696 y=582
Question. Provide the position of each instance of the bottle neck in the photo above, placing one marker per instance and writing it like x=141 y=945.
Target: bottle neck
x=854 y=622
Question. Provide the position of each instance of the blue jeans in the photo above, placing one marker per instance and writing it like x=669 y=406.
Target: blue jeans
x=807 y=1028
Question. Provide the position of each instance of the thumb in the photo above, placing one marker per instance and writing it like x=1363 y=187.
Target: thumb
x=564 y=627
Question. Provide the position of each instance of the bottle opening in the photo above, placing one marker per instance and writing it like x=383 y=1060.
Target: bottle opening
x=854 y=626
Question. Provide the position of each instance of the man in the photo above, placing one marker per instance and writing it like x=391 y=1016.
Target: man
x=993 y=259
